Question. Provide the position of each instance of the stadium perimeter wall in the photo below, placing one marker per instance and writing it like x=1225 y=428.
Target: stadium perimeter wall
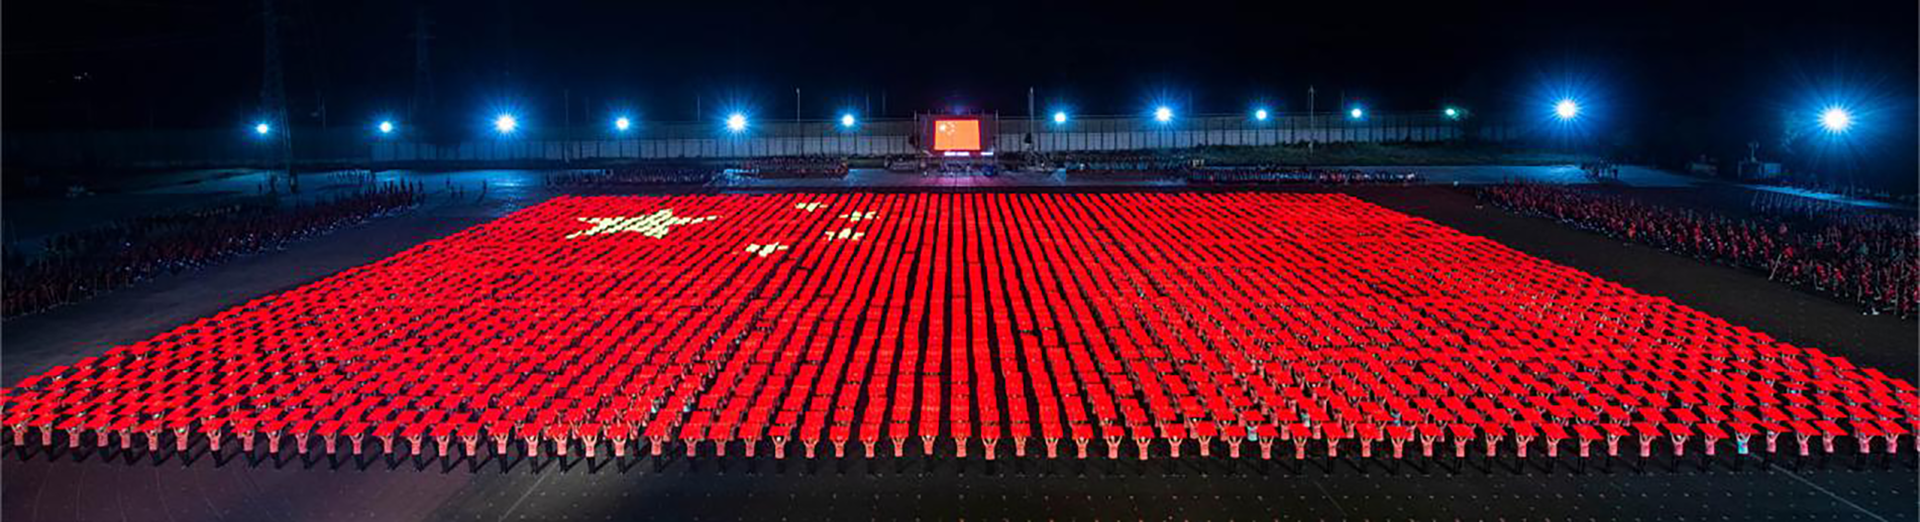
x=354 y=146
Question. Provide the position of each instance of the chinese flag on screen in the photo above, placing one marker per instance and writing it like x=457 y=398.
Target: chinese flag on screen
x=956 y=135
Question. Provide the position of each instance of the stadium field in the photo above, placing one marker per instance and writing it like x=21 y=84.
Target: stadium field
x=1064 y=325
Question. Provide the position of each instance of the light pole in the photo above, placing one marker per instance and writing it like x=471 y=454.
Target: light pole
x=1310 y=122
x=566 y=131
x=1032 y=144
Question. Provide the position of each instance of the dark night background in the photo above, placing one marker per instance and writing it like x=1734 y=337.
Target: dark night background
x=1669 y=80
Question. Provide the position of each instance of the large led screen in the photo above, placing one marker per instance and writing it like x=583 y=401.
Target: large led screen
x=956 y=135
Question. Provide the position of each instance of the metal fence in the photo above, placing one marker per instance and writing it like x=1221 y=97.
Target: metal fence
x=194 y=149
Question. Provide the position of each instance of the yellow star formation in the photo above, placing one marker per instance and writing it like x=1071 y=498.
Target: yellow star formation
x=655 y=225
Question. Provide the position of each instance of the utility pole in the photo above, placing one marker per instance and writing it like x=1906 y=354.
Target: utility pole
x=273 y=88
x=422 y=103
x=796 y=104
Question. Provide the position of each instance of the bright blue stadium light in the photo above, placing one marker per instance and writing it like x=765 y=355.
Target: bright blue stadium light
x=1836 y=120
x=1163 y=114
x=262 y=128
x=505 y=124
x=622 y=124
x=847 y=120
x=1060 y=117
x=1452 y=113
x=1260 y=114
x=1357 y=113
x=736 y=122
x=1566 y=109
x=385 y=127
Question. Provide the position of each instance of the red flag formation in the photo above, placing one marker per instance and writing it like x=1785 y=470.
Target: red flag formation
x=1145 y=323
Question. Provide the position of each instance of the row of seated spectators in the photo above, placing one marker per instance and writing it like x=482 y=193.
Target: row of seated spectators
x=1319 y=176
x=796 y=167
x=346 y=177
x=1600 y=170
x=962 y=169
x=1826 y=184
x=1121 y=164
x=327 y=179
x=643 y=174
x=1869 y=257
x=78 y=265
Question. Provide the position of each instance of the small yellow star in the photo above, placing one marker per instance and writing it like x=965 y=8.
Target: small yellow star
x=846 y=234
x=765 y=250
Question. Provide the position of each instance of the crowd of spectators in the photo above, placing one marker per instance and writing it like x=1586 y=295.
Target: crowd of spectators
x=1828 y=185
x=1601 y=170
x=796 y=167
x=1318 y=176
x=1122 y=164
x=78 y=265
x=1869 y=257
x=643 y=174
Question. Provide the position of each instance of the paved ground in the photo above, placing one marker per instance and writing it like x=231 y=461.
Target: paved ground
x=766 y=490
x=103 y=487
x=30 y=221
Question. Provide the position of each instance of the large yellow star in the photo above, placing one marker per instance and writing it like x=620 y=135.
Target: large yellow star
x=655 y=225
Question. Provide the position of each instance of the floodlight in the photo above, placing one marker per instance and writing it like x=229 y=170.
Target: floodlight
x=622 y=124
x=505 y=123
x=1836 y=120
x=1260 y=114
x=1357 y=113
x=385 y=127
x=736 y=122
x=262 y=128
x=1163 y=114
x=1060 y=117
x=1566 y=109
x=847 y=120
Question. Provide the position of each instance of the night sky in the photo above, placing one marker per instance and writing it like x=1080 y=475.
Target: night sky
x=1672 y=77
